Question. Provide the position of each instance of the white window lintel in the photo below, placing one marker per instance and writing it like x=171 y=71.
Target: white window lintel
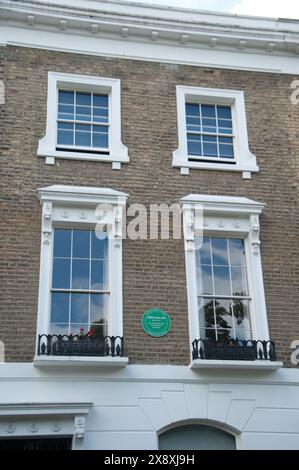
x=118 y=152
x=245 y=161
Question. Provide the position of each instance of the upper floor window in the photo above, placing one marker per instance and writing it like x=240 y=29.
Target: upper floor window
x=212 y=131
x=83 y=120
x=80 y=284
x=80 y=291
x=226 y=299
x=209 y=132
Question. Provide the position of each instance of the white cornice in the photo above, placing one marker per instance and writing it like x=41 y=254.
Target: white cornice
x=81 y=195
x=228 y=204
x=112 y=28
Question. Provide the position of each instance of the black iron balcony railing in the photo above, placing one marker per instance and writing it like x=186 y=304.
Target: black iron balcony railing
x=79 y=345
x=234 y=350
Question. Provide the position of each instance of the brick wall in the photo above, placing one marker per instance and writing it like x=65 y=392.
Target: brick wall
x=154 y=271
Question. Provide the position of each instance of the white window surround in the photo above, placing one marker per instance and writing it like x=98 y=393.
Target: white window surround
x=44 y=420
x=75 y=206
x=234 y=217
x=118 y=153
x=245 y=161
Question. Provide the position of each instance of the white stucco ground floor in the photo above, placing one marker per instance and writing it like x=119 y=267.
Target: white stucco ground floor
x=136 y=406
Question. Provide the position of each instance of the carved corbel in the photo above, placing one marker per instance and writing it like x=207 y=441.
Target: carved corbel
x=255 y=234
x=118 y=215
x=79 y=430
x=47 y=222
x=189 y=228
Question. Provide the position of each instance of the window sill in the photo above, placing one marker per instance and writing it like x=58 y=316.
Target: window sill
x=249 y=365
x=70 y=361
x=186 y=165
x=115 y=159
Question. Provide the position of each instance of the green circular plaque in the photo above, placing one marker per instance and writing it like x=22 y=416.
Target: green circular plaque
x=156 y=322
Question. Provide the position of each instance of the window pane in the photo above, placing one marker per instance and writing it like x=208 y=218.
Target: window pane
x=208 y=333
x=78 y=328
x=100 y=140
x=192 y=109
x=205 y=251
x=99 y=248
x=100 y=112
x=81 y=240
x=225 y=123
x=223 y=312
x=100 y=100
x=67 y=126
x=66 y=97
x=79 y=308
x=83 y=139
x=194 y=148
x=226 y=151
x=60 y=307
x=209 y=122
x=241 y=313
x=206 y=313
x=62 y=243
x=61 y=273
x=80 y=274
x=239 y=281
x=225 y=140
x=222 y=280
x=237 y=252
x=59 y=329
x=224 y=112
x=64 y=138
x=204 y=279
x=83 y=127
x=210 y=150
x=224 y=335
x=99 y=275
x=208 y=110
x=66 y=109
x=98 y=314
x=83 y=98
x=219 y=251
x=83 y=114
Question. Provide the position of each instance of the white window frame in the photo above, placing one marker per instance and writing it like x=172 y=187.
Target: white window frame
x=224 y=216
x=118 y=153
x=244 y=161
x=77 y=207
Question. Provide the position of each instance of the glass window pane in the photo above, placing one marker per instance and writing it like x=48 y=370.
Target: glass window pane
x=81 y=241
x=59 y=329
x=205 y=280
x=194 y=137
x=223 y=130
x=210 y=150
x=64 y=138
x=226 y=140
x=241 y=313
x=83 y=110
x=237 y=252
x=60 y=307
x=100 y=129
x=80 y=274
x=208 y=110
x=79 y=328
x=208 y=333
x=225 y=123
x=222 y=280
x=83 y=127
x=66 y=109
x=205 y=251
x=83 y=139
x=100 y=112
x=61 y=273
x=225 y=335
x=209 y=129
x=79 y=308
x=194 y=121
x=99 y=275
x=224 y=112
x=223 y=312
x=209 y=139
x=239 y=281
x=66 y=97
x=98 y=314
x=99 y=247
x=192 y=109
x=83 y=98
x=209 y=122
x=226 y=151
x=100 y=140
x=206 y=313
x=194 y=148
x=62 y=243
x=67 y=126
x=219 y=251
x=100 y=100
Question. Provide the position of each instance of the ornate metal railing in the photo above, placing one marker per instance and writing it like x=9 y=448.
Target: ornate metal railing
x=78 y=345
x=234 y=350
